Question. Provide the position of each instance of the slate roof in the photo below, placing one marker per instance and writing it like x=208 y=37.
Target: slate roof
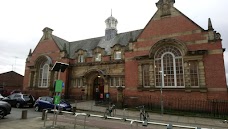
x=89 y=44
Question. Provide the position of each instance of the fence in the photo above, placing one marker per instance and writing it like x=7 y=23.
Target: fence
x=130 y=121
x=211 y=108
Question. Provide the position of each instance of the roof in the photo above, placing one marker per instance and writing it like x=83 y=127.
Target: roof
x=12 y=72
x=89 y=44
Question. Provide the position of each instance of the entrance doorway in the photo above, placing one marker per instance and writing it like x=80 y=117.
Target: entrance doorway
x=98 y=88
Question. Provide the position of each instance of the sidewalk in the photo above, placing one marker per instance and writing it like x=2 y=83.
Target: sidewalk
x=67 y=121
x=167 y=119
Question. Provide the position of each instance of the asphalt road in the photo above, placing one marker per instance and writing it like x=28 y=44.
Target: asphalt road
x=16 y=113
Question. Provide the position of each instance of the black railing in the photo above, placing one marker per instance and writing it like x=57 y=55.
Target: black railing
x=204 y=108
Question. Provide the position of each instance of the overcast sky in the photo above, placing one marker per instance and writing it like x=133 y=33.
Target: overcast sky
x=22 y=22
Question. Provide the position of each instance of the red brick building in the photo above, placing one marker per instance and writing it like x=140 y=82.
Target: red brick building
x=10 y=81
x=171 y=53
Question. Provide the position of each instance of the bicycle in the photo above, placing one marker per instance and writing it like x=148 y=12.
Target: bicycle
x=110 y=110
x=144 y=116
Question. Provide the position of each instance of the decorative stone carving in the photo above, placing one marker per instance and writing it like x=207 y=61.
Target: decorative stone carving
x=217 y=36
x=47 y=33
x=168 y=41
x=165 y=6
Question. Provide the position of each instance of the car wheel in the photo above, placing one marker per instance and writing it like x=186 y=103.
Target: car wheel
x=18 y=105
x=2 y=113
x=37 y=108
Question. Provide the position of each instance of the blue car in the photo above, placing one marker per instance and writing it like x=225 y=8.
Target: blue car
x=46 y=102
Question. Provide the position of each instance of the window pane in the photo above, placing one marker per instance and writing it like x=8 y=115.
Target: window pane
x=98 y=57
x=146 y=75
x=123 y=82
x=111 y=81
x=168 y=59
x=194 y=73
x=43 y=75
x=117 y=55
x=80 y=58
x=117 y=79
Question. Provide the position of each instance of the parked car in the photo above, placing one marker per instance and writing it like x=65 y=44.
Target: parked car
x=15 y=91
x=1 y=97
x=20 y=100
x=46 y=102
x=5 y=109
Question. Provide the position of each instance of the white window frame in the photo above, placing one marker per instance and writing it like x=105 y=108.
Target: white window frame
x=118 y=55
x=143 y=75
x=43 y=75
x=98 y=57
x=195 y=73
x=176 y=55
x=80 y=58
x=79 y=82
x=117 y=81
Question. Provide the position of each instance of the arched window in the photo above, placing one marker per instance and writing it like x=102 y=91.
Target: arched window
x=169 y=67
x=43 y=74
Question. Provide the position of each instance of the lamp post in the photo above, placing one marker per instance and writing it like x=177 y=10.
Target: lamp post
x=58 y=67
x=161 y=72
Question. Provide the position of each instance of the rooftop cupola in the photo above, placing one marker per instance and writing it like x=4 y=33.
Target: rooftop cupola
x=164 y=6
x=110 y=31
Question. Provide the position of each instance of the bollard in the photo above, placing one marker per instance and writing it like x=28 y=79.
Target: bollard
x=170 y=126
x=145 y=123
x=45 y=117
x=24 y=114
x=60 y=110
x=43 y=114
x=74 y=109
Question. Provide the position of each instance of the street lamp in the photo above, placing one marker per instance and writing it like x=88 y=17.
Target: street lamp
x=161 y=72
x=58 y=67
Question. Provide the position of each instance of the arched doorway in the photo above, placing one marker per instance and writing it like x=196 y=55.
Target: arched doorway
x=98 y=88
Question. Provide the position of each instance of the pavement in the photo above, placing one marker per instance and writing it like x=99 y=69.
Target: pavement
x=157 y=121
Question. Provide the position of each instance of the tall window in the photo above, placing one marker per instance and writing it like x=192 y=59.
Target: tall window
x=194 y=79
x=43 y=75
x=169 y=67
x=117 y=81
x=80 y=58
x=117 y=55
x=98 y=57
x=146 y=75
x=79 y=82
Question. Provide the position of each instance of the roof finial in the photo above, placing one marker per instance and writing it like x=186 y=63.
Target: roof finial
x=111 y=12
x=210 y=27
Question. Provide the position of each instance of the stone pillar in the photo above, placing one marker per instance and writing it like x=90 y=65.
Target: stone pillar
x=120 y=96
x=201 y=73
x=186 y=74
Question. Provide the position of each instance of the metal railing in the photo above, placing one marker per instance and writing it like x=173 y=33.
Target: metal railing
x=211 y=108
x=131 y=121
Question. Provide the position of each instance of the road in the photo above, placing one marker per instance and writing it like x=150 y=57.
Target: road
x=16 y=113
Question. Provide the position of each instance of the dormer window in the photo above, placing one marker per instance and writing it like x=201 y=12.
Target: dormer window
x=80 y=58
x=117 y=55
x=98 y=57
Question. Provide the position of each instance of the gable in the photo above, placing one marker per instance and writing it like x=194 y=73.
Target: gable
x=171 y=25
